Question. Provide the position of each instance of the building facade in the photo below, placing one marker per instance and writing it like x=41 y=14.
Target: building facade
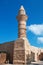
x=20 y=51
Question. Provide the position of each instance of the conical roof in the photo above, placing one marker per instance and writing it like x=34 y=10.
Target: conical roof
x=22 y=11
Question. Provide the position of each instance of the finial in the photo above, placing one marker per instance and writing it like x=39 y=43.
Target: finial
x=22 y=8
x=22 y=11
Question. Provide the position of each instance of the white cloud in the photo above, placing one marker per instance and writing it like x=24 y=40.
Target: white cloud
x=40 y=39
x=36 y=29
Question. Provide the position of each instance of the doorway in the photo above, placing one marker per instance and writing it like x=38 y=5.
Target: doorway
x=40 y=57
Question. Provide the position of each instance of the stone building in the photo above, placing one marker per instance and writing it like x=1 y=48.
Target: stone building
x=20 y=51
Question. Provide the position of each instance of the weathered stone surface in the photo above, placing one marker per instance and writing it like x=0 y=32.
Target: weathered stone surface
x=19 y=52
x=3 y=58
x=8 y=47
x=19 y=44
x=19 y=55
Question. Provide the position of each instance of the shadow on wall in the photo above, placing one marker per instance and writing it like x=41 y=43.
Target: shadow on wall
x=40 y=57
x=30 y=58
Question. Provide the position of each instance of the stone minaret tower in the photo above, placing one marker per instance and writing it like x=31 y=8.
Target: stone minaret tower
x=21 y=45
x=22 y=17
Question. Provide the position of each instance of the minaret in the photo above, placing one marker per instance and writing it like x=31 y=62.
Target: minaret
x=22 y=17
x=21 y=45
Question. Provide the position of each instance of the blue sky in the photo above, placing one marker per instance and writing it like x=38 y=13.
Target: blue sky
x=9 y=25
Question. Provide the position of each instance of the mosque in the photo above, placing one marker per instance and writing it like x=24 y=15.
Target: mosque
x=20 y=51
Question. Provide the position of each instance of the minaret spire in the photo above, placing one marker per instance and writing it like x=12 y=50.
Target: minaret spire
x=22 y=11
x=21 y=8
x=22 y=17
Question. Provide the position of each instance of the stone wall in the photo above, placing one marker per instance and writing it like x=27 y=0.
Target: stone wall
x=8 y=47
x=19 y=52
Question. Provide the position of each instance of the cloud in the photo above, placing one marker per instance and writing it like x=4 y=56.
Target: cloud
x=36 y=29
x=40 y=39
